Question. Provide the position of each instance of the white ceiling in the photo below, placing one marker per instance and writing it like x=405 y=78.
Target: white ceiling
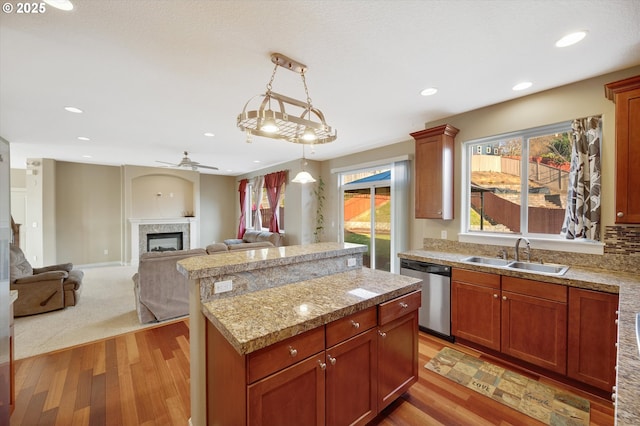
x=153 y=75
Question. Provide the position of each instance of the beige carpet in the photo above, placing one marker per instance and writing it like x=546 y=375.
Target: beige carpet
x=532 y=398
x=106 y=308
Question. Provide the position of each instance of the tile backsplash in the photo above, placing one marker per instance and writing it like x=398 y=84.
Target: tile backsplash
x=622 y=239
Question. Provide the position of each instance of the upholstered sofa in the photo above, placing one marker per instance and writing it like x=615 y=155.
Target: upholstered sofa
x=161 y=292
x=42 y=289
x=255 y=239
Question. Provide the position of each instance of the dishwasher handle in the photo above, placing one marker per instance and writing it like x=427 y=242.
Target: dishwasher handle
x=430 y=268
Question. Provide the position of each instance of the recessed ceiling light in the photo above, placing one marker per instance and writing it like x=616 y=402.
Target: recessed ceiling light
x=522 y=86
x=229 y=170
x=570 y=39
x=83 y=138
x=60 y=4
x=256 y=161
x=429 y=91
x=73 y=109
x=86 y=156
x=209 y=134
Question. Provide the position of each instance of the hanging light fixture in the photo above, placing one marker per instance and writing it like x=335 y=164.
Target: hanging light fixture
x=303 y=176
x=305 y=125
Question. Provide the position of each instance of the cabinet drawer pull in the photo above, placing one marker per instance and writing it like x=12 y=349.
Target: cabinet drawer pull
x=403 y=305
x=292 y=351
x=355 y=324
x=323 y=365
x=620 y=214
x=504 y=297
x=332 y=360
x=382 y=333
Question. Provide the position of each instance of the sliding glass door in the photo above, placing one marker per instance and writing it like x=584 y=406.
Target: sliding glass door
x=367 y=215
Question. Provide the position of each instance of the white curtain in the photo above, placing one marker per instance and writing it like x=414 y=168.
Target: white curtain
x=256 y=196
x=582 y=216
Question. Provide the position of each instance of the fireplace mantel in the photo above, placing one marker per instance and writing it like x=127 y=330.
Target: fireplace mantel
x=188 y=225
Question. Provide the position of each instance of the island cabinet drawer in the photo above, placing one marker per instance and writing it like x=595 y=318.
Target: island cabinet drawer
x=349 y=326
x=280 y=355
x=398 y=307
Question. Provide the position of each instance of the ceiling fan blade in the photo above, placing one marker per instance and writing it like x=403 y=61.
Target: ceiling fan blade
x=164 y=162
x=200 y=166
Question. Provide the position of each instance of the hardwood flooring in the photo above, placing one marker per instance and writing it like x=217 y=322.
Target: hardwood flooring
x=142 y=378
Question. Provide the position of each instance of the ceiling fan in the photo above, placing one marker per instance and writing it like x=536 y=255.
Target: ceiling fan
x=187 y=163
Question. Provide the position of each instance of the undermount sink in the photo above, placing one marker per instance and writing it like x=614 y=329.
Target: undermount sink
x=541 y=268
x=493 y=261
x=537 y=268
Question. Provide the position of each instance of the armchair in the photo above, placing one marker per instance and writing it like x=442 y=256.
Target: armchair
x=42 y=289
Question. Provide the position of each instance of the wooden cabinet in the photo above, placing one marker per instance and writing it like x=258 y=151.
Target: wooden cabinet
x=592 y=337
x=342 y=373
x=397 y=347
x=524 y=319
x=534 y=323
x=434 y=172
x=626 y=95
x=352 y=380
x=475 y=307
x=294 y=395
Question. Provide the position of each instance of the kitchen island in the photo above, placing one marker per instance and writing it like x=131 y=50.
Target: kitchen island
x=294 y=313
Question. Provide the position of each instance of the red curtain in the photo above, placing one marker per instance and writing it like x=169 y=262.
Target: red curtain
x=273 y=184
x=242 y=189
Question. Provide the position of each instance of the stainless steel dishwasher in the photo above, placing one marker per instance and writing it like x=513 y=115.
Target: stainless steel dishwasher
x=435 y=312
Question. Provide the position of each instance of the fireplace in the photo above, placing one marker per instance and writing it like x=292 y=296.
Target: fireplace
x=140 y=228
x=164 y=241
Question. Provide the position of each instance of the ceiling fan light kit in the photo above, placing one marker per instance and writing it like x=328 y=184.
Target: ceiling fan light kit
x=307 y=126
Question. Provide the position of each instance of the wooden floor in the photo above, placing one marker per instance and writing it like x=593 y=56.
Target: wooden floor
x=142 y=378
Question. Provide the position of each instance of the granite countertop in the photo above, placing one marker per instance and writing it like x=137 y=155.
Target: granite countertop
x=247 y=260
x=626 y=284
x=258 y=319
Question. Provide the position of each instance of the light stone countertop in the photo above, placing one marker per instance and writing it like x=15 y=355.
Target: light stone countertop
x=14 y=295
x=247 y=260
x=258 y=319
x=626 y=284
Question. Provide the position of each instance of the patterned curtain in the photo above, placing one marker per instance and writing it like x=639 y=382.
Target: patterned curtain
x=256 y=194
x=242 y=189
x=582 y=215
x=273 y=182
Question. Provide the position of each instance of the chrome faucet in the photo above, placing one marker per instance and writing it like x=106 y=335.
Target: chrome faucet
x=527 y=250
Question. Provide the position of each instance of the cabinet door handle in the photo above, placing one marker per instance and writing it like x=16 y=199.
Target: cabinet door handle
x=355 y=324
x=323 y=365
x=504 y=297
x=619 y=214
x=332 y=360
x=403 y=305
x=293 y=351
x=495 y=296
x=382 y=334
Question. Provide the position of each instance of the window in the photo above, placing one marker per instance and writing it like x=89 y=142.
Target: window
x=262 y=206
x=518 y=183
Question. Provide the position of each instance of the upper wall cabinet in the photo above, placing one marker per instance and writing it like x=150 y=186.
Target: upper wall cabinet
x=434 y=172
x=626 y=95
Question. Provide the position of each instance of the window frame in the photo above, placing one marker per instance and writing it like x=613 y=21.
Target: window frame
x=539 y=241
